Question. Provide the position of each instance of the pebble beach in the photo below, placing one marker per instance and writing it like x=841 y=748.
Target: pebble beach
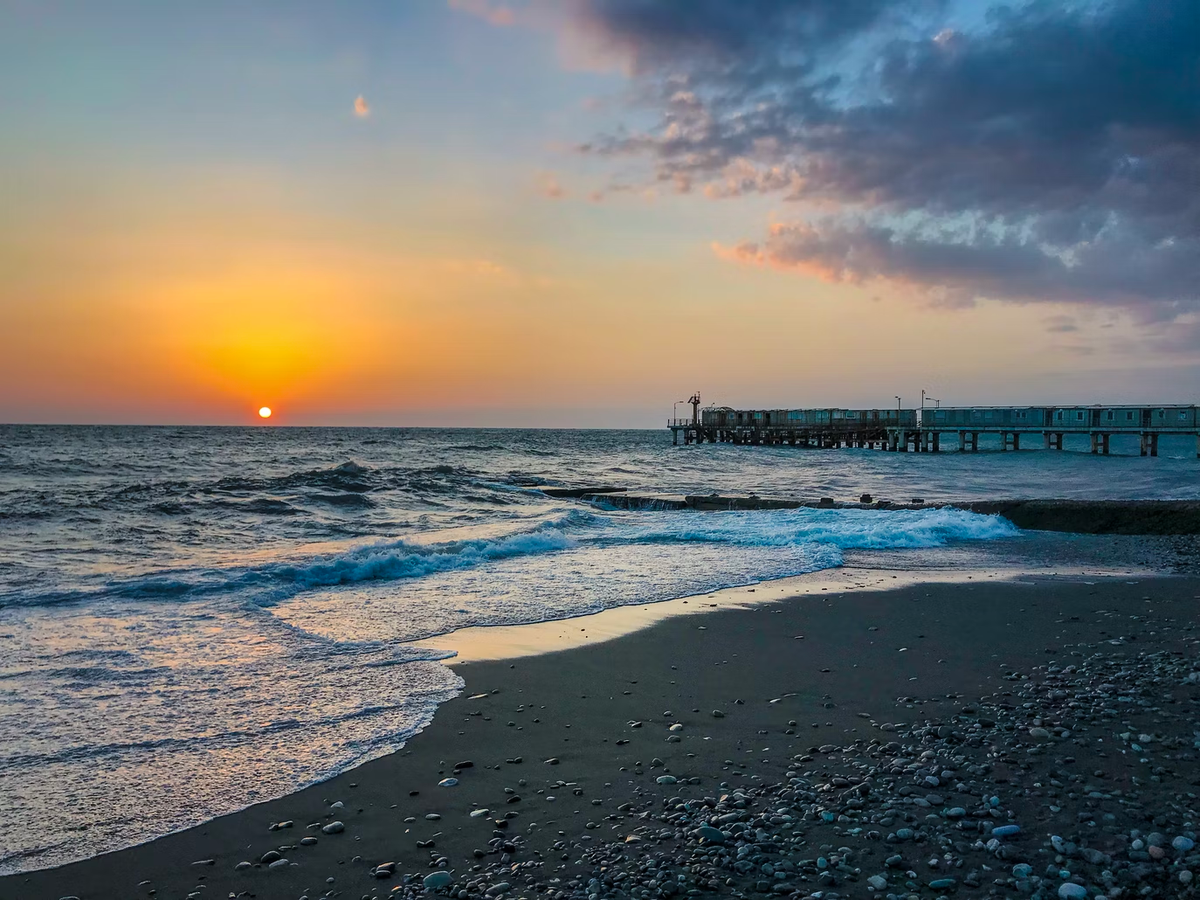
x=1036 y=738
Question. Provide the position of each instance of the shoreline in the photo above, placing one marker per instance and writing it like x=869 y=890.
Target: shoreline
x=380 y=829
x=497 y=643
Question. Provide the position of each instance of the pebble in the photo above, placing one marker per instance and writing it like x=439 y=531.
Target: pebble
x=818 y=822
x=435 y=880
x=279 y=863
x=333 y=828
x=448 y=782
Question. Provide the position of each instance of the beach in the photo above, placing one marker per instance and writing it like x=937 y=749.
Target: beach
x=849 y=743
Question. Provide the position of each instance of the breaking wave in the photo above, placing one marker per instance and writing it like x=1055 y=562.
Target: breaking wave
x=812 y=529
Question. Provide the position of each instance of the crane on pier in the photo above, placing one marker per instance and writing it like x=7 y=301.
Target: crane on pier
x=695 y=401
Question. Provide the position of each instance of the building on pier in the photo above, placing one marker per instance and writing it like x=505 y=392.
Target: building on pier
x=921 y=430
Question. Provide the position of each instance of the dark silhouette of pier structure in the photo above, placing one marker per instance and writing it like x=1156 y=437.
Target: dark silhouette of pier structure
x=921 y=431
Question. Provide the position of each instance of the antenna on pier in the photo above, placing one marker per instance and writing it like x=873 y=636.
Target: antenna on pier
x=695 y=401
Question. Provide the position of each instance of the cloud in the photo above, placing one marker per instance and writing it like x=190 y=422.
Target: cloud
x=959 y=268
x=361 y=108
x=1061 y=324
x=495 y=14
x=1050 y=152
x=549 y=186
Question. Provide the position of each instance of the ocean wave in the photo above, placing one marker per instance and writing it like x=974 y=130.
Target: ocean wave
x=275 y=581
x=348 y=476
x=405 y=560
x=345 y=501
x=849 y=529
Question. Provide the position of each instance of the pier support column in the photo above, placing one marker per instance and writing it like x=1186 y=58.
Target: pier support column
x=1104 y=443
x=1145 y=448
x=937 y=442
x=1154 y=445
x=1004 y=440
x=1049 y=440
x=1096 y=443
x=974 y=441
x=962 y=442
x=1016 y=440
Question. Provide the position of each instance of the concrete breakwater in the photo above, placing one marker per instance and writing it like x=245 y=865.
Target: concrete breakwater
x=1146 y=517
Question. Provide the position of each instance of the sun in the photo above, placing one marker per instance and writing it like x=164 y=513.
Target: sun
x=265 y=412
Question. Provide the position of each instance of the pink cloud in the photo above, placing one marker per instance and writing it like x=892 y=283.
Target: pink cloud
x=549 y=186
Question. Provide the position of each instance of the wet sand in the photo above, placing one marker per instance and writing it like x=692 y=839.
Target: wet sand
x=805 y=687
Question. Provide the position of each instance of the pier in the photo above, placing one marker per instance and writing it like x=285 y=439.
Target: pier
x=922 y=430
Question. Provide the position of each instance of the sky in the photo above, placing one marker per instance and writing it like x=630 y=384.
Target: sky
x=576 y=212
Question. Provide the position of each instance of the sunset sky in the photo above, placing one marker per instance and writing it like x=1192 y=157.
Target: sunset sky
x=420 y=212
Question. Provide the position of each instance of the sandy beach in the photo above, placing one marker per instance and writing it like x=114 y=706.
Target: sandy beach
x=846 y=744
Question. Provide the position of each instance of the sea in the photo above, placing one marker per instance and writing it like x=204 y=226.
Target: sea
x=196 y=619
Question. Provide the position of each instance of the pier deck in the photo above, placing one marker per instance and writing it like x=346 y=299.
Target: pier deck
x=921 y=431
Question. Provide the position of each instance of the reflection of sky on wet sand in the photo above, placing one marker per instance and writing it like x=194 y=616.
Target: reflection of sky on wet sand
x=478 y=644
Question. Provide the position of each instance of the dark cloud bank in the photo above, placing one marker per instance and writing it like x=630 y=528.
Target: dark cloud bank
x=1049 y=151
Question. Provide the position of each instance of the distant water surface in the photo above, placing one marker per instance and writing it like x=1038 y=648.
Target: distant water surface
x=195 y=619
